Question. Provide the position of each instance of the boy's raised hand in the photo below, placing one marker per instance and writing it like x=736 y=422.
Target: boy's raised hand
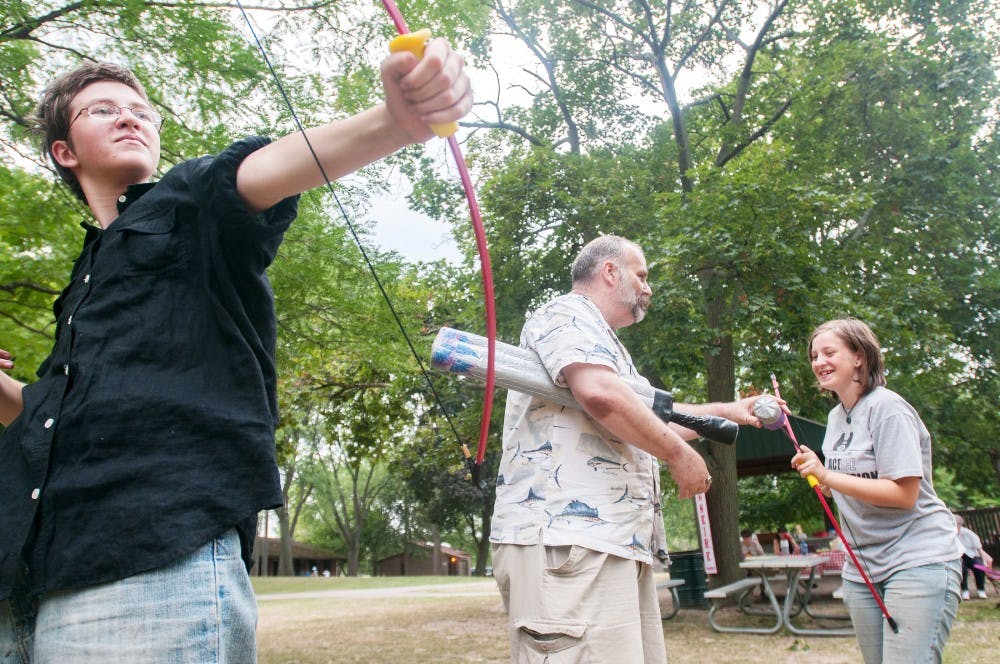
x=434 y=90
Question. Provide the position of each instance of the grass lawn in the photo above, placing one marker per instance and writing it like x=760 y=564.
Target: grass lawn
x=265 y=585
x=461 y=619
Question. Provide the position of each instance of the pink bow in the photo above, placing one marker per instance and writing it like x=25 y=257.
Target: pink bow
x=487 y=272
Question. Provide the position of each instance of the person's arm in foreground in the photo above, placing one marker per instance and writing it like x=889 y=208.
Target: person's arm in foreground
x=610 y=401
x=11 y=402
x=433 y=90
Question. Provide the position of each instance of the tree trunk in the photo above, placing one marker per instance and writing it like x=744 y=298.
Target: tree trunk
x=722 y=498
x=263 y=562
x=353 y=556
x=286 y=566
x=483 y=545
x=436 y=551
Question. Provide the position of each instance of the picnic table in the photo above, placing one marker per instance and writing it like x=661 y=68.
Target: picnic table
x=798 y=597
x=834 y=561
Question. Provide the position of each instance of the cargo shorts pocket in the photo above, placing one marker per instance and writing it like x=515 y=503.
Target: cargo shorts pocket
x=551 y=642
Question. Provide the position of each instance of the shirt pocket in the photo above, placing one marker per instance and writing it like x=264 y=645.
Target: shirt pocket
x=151 y=244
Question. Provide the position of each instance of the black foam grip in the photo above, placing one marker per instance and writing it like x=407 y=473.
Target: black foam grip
x=714 y=428
x=663 y=404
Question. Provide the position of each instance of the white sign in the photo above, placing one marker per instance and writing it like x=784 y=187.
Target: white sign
x=705 y=528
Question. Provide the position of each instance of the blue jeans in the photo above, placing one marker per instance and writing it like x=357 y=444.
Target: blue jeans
x=922 y=600
x=198 y=610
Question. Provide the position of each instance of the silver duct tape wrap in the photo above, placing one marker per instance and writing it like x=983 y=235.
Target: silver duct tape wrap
x=769 y=413
x=515 y=368
x=519 y=369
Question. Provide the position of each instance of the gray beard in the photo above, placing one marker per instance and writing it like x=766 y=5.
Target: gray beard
x=635 y=305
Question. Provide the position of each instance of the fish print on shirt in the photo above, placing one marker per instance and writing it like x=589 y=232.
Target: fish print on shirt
x=607 y=465
x=578 y=512
x=530 y=456
x=636 y=546
x=531 y=499
x=626 y=497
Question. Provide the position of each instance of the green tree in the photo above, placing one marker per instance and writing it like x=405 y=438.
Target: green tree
x=347 y=469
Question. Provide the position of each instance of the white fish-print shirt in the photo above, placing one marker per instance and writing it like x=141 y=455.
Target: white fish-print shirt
x=563 y=479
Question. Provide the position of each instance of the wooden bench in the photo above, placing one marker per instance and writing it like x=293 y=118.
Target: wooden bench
x=673 y=585
x=739 y=589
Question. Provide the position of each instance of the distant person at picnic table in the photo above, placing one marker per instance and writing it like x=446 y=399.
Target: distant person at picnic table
x=973 y=555
x=878 y=469
x=785 y=536
x=749 y=544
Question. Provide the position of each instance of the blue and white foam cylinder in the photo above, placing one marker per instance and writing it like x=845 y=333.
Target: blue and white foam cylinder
x=517 y=368
x=767 y=410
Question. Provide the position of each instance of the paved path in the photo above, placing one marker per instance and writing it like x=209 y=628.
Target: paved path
x=473 y=589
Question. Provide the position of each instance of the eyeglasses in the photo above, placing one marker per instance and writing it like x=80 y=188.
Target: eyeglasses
x=112 y=112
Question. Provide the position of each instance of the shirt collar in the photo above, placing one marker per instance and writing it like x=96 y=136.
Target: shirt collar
x=132 y=194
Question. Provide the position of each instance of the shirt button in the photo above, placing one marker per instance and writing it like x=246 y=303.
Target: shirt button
x=86 y=279
x=35 y=494
x=48 y=423
x=69 y=321
x=66 y=369
x=122 y=198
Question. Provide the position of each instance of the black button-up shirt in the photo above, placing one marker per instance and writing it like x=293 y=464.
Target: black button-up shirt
x=150 y=429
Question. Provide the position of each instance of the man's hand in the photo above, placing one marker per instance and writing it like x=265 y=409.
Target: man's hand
x=741 y=411
x=688 y=470
x=434 y=90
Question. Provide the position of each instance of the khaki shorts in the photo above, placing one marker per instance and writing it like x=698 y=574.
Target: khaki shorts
x=572 y=604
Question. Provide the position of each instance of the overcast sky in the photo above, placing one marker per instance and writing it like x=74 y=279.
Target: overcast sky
x=414 y=236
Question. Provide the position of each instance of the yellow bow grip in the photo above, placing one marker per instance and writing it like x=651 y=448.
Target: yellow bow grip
x=414 y=42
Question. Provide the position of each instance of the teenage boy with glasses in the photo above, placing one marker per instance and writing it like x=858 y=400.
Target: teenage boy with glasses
x=136 y=464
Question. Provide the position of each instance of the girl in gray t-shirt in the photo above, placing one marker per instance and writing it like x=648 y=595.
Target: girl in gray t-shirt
x=878 y=470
